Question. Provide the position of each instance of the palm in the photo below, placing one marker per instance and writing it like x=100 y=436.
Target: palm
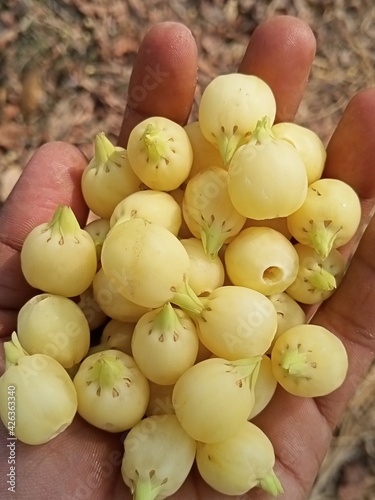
x=84 y=462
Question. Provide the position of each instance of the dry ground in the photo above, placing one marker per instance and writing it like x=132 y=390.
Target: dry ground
x=64 y=70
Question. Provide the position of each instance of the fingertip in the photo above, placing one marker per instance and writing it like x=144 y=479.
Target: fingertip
x=164 y=77
x=293 y=29
x=51 y=177
x=351 y=149
x=359 y=108
x=281 y=51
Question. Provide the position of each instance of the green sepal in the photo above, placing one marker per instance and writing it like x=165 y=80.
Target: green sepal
x=262 y=132
x=106 y=155
x=322 y=237
x=187 y=299
x=166 y=322
x=322 y=280
x=295 y=363
x=271 y=484
x=107 y=371
x=154 y=141
x=144 y=490
x=13 y=351
x=213 y=237
x=63 y=224
x=229 y=145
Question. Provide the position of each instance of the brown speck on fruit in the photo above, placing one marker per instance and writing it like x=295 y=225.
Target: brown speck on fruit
x=313 y=365
x=98 y=391
x=239 y=383
x=222 y=129
x=115 y=393
x=165 y=480
x=161 y=337
x=151 y=473
x=127 y=381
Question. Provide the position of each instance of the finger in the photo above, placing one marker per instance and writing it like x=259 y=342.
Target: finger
x=301 y=429
x=351 y=149
x=163 y=79
x=350 y=159
x=81 y=462
x=350 y=315
x=51 y=177
x=290 y=422
x=281 y=51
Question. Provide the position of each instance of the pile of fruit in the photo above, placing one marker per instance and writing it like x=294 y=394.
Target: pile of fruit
x=209 y=244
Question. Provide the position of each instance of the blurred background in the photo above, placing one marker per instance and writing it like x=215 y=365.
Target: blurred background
x=64 y=72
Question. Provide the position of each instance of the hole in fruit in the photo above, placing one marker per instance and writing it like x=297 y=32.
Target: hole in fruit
x=272 y=274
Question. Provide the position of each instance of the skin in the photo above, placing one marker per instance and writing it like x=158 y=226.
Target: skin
x=84 y=462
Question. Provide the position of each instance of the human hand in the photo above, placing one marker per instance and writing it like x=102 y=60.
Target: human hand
x=84 y=462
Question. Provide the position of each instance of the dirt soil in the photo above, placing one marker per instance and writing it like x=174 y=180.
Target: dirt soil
x=64 y=72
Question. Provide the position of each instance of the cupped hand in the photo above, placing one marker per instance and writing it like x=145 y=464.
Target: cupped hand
x=84 y=462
